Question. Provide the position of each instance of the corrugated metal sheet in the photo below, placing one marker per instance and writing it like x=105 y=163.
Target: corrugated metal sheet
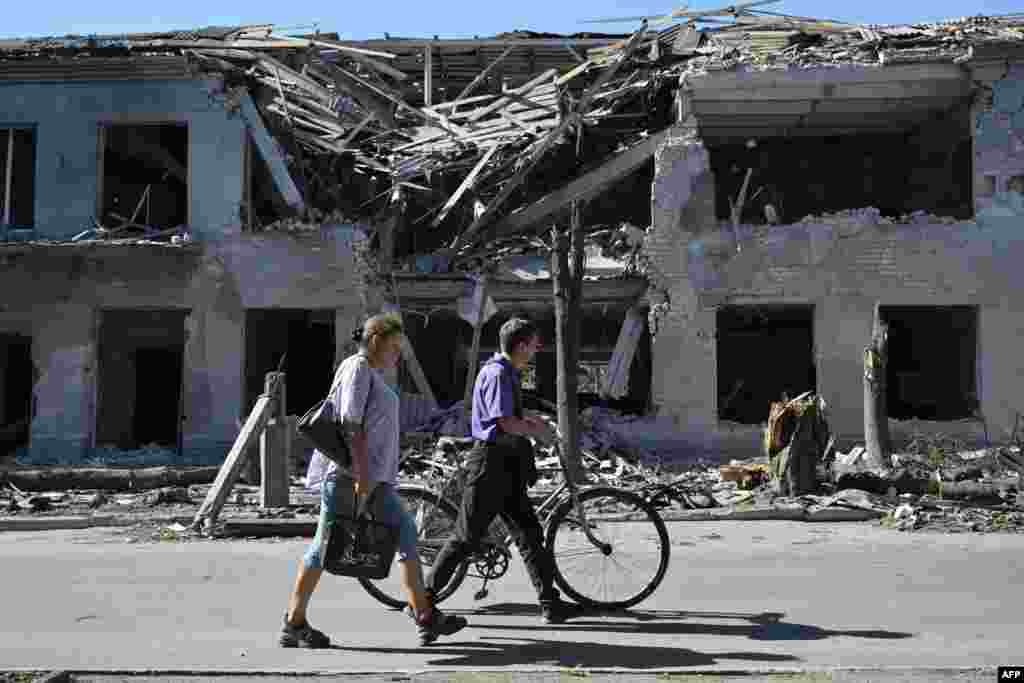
x=96 y=69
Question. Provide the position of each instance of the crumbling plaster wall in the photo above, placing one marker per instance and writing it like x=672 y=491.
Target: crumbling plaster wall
x=67 y=118
x=843 y=268
x=66 y=288
x=998 y=114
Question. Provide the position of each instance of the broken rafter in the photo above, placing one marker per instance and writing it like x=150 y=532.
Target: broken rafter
x=547 y=143
x=582 y=188
x=276 y=68
x=505 y=100
x=355 y=131
x=271 y=153
x=465 y=186
x=482 y=76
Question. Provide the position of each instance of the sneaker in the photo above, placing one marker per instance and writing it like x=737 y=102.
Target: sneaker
x=304 y=636
x=436 y=624
x=558 y=611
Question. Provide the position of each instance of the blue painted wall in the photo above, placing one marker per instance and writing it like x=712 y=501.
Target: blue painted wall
x=67 y=117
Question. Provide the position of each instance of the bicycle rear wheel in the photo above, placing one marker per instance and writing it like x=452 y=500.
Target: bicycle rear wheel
x=622 y=571
x=435 y=524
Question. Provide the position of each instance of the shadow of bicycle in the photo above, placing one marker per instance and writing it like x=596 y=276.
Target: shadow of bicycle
x=753 y=625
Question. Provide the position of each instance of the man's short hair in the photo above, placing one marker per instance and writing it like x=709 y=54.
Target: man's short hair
x=516 y=331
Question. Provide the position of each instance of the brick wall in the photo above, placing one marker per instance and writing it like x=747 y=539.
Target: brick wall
x=842 y=266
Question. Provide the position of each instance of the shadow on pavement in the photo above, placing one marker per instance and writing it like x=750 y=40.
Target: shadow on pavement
x=530 y=651
x=760 y=626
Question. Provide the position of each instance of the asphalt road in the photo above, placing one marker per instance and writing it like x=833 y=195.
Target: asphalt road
x=739 y=597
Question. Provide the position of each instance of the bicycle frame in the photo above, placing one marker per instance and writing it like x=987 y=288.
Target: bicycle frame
x=547 y=507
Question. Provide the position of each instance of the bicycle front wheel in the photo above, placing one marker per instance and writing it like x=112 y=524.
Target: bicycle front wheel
x=435 y=524
x=627 y=563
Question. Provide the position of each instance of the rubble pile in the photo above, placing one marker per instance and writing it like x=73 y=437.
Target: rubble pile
x=872 y=216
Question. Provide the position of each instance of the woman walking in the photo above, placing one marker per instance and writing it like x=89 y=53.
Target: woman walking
x=368 y=410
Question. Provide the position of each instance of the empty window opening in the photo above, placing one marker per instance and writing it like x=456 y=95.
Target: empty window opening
x=305 y=339
x=262 y=202
x=897 y=173
x=17 y=177
x=1015 y=184
x=763 y=353
x=141 y=362
x=145 y=176
x=932 y=362
x=17 y=377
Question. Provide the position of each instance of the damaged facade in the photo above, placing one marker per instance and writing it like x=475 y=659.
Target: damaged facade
x=181 y=210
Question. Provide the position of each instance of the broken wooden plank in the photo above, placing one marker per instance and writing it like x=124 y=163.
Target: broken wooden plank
x=575 y=53
x=355 y=131
x=482 y=76
x=584 y=187
x=362 y=52
x=530 y=104
x=545 y=77
x=428 y=75
x=277 y=69
x=616 y=381
x=464 y=187
x=275 y=447
x=513 y=184
x=380 y=67
x=374 y=101
x=106 y=478
x=270 y=152
x=232 y=467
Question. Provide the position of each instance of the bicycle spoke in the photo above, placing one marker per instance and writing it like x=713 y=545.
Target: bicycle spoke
x=635 y=564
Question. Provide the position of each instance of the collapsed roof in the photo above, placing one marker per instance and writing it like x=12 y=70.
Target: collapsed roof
x=461 y=149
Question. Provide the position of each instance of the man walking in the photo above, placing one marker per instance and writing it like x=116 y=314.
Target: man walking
x=500 y=469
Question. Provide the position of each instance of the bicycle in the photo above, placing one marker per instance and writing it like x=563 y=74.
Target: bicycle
x=572 y=516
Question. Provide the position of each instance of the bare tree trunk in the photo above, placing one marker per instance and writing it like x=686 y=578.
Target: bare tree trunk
x=568 y=287
x=876 y=420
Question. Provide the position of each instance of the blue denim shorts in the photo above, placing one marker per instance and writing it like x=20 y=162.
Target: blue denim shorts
x=386 y=506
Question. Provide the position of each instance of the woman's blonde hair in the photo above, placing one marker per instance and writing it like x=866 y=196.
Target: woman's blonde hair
x=378 y=328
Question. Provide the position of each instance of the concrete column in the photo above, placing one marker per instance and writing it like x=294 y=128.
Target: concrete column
x=683 y=351
x=213 y=385
x=1000 y=366
x=64 y=350
x=842 y=328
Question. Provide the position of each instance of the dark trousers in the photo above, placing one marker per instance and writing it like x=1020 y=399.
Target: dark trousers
x=495 y=485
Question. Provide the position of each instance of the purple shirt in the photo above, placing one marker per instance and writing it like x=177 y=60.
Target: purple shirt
x=494 y=396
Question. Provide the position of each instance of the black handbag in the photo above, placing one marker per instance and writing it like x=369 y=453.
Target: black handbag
x=321 y=427
x=359 y=545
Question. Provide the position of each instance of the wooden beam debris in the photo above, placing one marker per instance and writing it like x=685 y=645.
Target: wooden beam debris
x=546 y=143
x=616 y=381
x=271 y=153
x=482 y=76
x=232 y=467
x=465 y=186
x=584 y=187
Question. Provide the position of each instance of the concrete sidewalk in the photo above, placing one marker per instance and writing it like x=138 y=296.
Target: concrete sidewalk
x=756 y=597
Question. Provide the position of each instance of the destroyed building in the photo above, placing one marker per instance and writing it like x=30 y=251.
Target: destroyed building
x=185 y=212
